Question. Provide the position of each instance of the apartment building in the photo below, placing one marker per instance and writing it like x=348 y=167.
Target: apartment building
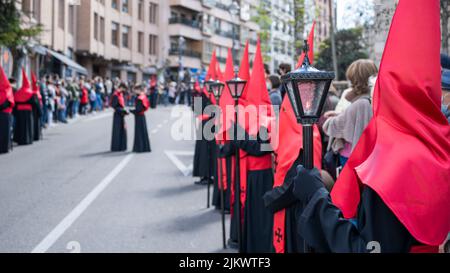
x=319 y=11
x=282 y=33
x=198 y=27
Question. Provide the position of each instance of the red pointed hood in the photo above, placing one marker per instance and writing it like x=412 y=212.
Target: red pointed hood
x=211 y=75
x=6 y=92
x=24 y=93
x=290 y=135
x=35 y=87
x=257 y=95
x=226 y=99
x=403 y=154
x=244 y=71
x=311 y=46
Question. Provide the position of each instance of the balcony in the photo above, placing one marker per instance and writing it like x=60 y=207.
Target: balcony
x=227 y=34
x=185 y=53
x=185 y=27
x=185 y=21
x=189 y=4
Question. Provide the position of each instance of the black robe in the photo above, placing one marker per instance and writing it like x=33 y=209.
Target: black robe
x=119 y=132
x=141 y=139
x=24 y=124
x=205 y=150
x=37 y=114
x=217 y=194
x=5 y=128
x=258 y=220
x=322 y=224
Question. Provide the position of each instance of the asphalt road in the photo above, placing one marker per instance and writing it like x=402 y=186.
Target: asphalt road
x=68 y=193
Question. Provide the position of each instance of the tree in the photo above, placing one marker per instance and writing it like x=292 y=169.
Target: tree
x=349 y=47
x=14 y=33
x=264 y=21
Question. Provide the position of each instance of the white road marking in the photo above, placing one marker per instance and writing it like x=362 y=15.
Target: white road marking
x=172 y=155
x=154 y=131
x=165 y=121
x=59 y=230
x=99 y=116
x=159 y=126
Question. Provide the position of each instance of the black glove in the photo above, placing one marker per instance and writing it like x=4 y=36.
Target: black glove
x=227 y=150
x=307 y=183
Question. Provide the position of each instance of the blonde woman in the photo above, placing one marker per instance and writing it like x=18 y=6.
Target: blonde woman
x=345 y=128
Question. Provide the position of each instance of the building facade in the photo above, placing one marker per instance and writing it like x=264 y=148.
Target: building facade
x=282 y=36
x=134 y=39
x=319 y=11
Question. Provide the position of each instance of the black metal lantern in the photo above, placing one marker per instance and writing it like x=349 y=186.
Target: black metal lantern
x=208 y=84
x=307 y=88
x=236 y=86
x=217 y=89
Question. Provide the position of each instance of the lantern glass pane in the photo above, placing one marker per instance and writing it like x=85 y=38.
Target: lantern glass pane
x=291 y=95
x=232 y=88
x=311 y=93
x=240 y=88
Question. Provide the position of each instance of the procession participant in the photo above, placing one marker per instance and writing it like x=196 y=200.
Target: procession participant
x=446 y=93
x=256 y=160
x=119 y=132
x=84 y=99
x=25 y=100
x=223 y=169
x=385 y=185
x=6 y=108
x=289 y=154
x=141 y=139
x=153 y=92
x=229 y=152
x=37 y=109
x=205 y=145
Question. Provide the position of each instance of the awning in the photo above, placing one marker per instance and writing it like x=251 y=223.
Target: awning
x=62 y=58
x=126 y=67
x=149 y=70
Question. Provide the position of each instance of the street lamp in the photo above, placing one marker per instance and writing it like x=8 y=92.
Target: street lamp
x=234 y=10
x=216 y=88
x=237 y=87
x=307 y=88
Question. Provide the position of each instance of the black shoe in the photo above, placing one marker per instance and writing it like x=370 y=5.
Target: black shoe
x=202 y=182
x=232 y=244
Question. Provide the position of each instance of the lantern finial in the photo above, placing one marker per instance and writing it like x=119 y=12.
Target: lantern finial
x=306 y=61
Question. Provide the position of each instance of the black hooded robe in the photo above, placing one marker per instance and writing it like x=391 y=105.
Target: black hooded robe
x=217 y=194
x=37 y=114
x=24 y=124
x=205 y=150
x=141 y=139
x=258 y=220
x=323 y=226
x=119 y=132
x=5 y=128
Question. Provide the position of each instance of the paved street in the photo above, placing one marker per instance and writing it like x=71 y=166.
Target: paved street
x=68 y=193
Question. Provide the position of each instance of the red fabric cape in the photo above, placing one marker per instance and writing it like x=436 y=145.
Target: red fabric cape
x=25 y=93
x=6 y=92
x=120 y=98
x=145 y=102
x=35 y=87
x=404 y=153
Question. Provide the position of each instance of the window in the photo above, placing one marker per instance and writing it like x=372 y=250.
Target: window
x=141 y=42
x=126 y=36
x=153 y=44
x=115 y=34
x=26 y=6
x=102 y=29
x=71 y=19
x=37 y=10
x=96 y=26
x=115 y=4
x=125 y=6
x=141 y=10
x=153 y=13
x=61 y=13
